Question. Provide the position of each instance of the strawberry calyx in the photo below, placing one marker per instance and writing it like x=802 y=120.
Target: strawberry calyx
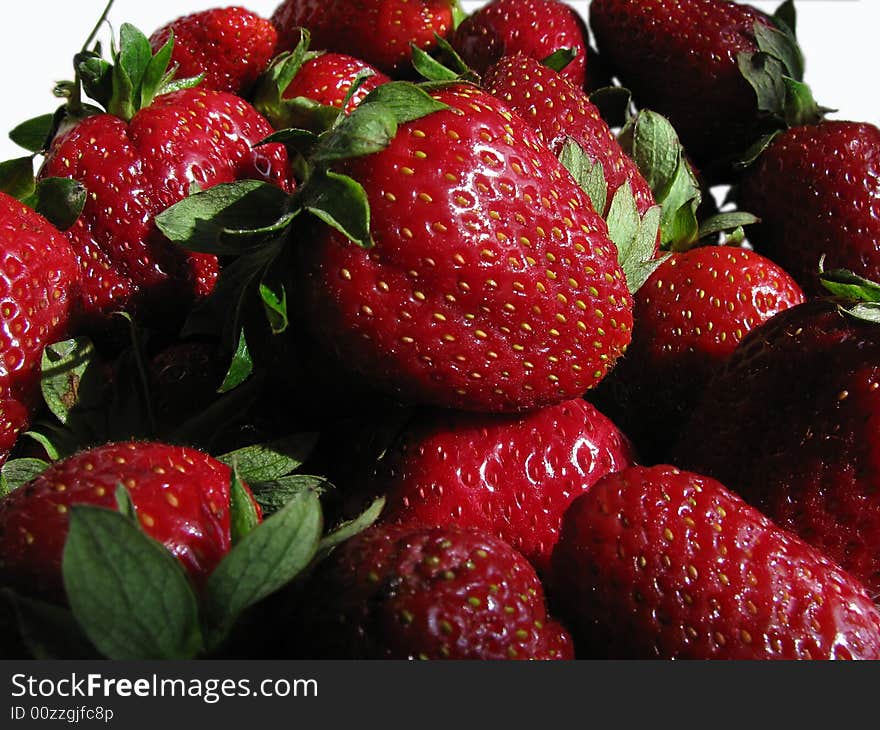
x=860 y=297
x=58 y=200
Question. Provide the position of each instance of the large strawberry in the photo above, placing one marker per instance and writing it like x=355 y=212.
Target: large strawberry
x=723 y=72
x=181 y=497
x=816 y=189
x=506 y=27
x=661 y=563
x=507 y=475
x=690 y=316
x=791 y=424
x=137 y=160
x=398 y=593
x=38 y=287
x=378 y=31
x=493 y=284
x=230 y=46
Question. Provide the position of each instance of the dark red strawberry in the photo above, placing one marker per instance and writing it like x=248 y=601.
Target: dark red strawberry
x=690 y=315
x=817 y=192
x=791 y=424
x=230 y=46
x=535 y=28
x=509 y=476
x=559 y=111
x=661 y=563
x=39 y=280
x=398 y=593
x=684 y=59
x=328 y=78
x=181 y=497
x=493 y=284
x=378 y=31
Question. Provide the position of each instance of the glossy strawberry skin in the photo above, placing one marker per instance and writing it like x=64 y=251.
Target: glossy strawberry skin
x=181 y=497
x=493 y=285
x=794 y=430
x=679 y=58
x=509 y=476
x=817 y=192
x=328 y=78
x=230 y=46
x=135 y=171
x=656 y=563
x=399 y=593
x=38 y=286
x=558 y=110
x=690 y=315
x=378 y=31
x=506 y=27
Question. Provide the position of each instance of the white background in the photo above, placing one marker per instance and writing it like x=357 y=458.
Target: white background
x=39 y=37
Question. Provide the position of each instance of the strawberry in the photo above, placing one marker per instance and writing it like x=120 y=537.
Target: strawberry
x=816 y=189
x=492 y=285
x=136 y=165
x=398 y=593
x=662 y=563
x=328 y=78
x=507 y=27
x=512 y=476
x=38 y=287
x=230 y=46
x=559 y=111
x=181 y=497
x=378 y=31
x=690 y=316
x=789 y=423
x=715 y=68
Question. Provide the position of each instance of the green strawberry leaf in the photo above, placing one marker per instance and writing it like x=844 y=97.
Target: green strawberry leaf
x=33 y=135
x=348 y=530
x=406 y=102
x=72 y=382
x=269 y=96
x=154 y=77
x=242 y=512
x=867 y=312
x=18 y=472
x=275 y=306
x=170 y=85
x=459 y=14
x=430 y=68
x=59 y=200
x=129 y=594
x=652 y=142
x=785 y=17
x=125 y=504
x=340 y=202
x=96 y=76
x=368 y=129
x=47 y=631
x=17 y=177
x=634 y=236
x=53 y=446
x=274 y=495
x=764 y=73
x=783 y=46
x=726 y=222
x=274 y=460
x=843 y=283
x=588 y=174
x=560 y=59
x=241 y=368
x=268 y=558
x=135 y=57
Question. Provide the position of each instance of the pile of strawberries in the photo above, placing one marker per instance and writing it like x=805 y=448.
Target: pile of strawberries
x=380 y=330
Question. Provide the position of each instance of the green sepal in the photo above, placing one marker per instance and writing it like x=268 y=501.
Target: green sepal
x=16 y=473
x=459 y=14
x=59 y=200
x=367 y=130
x=241 y=367
x=726 y=222
x=757 y=149
x=407 y=102
x=243 y=515
x=17 y=177
x=53 y=447
x=125 y=504
x=352 y=528
x=275 y=306
x=72 y=381
x=844 y=283
x=33 y=135
x=588 y=174
x=271 y=461
x=269 y=95
x=635 y=237
x=785 y=17
x=267 y=559
x=155 y=75
x=129 y=594
x=430 y=68
x=274 y=495
x=560 y=59
x=340 y=202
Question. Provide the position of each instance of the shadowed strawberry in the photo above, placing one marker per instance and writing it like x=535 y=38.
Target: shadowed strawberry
x=38 y=287
x=506 y=475
x=378 y=31
x=690 y=316
x=657 y=563
x=397 y=593
x=816 y=189
x=507 y=27
x=181 y=497
x=230 y=46
x=328 y=78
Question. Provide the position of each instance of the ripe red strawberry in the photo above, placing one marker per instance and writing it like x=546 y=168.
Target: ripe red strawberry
x=493 y=284
x=231 y=46
x=790 y=423
x=690 y=315
x=38 y=286
x=398 y=593
x=817 y=192
x=378 y=31
x=680 y=58
x=181 y=497
x=506 y=27
x=328 y=78
x=135 y=170
x=558 y=110
x=506 y=475
x=660 y=563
